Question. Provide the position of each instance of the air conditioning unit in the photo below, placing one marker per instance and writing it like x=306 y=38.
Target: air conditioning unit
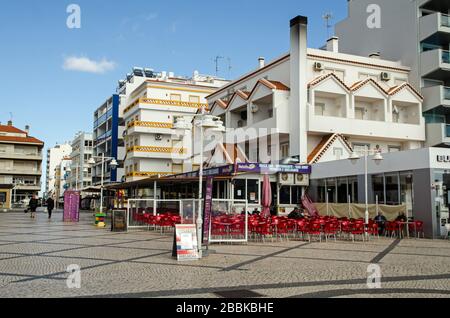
x=385 y=76
x=318 y=66
x=302 y=180
x=286 y=178
x=158 y=137
x=255 y=108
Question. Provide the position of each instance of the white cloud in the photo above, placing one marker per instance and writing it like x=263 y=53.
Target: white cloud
x=84 y=64
x=151 y=16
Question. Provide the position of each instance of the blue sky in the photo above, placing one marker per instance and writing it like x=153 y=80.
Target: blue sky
x=178 y=35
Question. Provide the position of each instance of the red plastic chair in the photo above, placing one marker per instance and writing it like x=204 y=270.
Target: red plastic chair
x=330 y=229
x=315 y=229
x=264 y=230
x=358 y=229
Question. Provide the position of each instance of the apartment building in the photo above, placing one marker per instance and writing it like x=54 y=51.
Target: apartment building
x=108 y=140
x=417 y=33
x=80 y=175
x=152 y=146
x=54 y=157
x=62 y=179
x=20 y=165
x=320 y=104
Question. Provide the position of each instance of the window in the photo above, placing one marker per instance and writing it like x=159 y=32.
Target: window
x=135 y=167
x=394 y=148
x=194 y=99
x=175 y=97
x=284 y=149
x=2 y=197
x=378 y=188
x=359 y=113
x=392 y=189
x=239 y=189
x=360 y=149
x=285 y=195
x=338 y=153
x=253 y=191
x=319 y=109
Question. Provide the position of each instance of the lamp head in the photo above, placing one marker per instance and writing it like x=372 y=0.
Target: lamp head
x=354 y=157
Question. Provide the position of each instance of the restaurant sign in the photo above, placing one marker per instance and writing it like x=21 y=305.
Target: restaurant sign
x=443 y=159
x=186 y=242
x=272 y=169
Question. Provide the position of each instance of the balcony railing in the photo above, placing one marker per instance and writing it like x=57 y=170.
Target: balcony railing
x=156 y=149
x=164 y=102
x=103 y=118
x=150 y=124
x=147 y=174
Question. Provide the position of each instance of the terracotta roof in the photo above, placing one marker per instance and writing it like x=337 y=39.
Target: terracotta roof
x=394 y=90
x=232 y=153
x=280 y=86
x=221 y=103
x=321 y=78
x=361 y=84
x=324 y=145
x=21 y=140
x=11 y=129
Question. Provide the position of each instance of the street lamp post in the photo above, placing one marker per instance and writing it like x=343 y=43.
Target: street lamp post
x=206 y=122
x=113 y=164
x=377 y=159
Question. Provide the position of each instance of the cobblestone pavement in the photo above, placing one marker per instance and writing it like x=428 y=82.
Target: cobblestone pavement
x=35 y=254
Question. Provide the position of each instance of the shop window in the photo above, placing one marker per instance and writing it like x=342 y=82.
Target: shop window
x=342 y=196
x=253 y=191
x=285 y=195
x=392 y=189
x=239 y=189
x=406 y=191
x=378 y=188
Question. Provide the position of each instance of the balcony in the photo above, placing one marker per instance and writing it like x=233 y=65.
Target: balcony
x=437 y=134
x=156 y=152
x=21 y=156
x=435 y=29
x=29 y=187
x=168 y=103
x=23 y=172
x=136 y=175
x=366 y=128
x=435 y=64
x=148 y=127
x=435 y=96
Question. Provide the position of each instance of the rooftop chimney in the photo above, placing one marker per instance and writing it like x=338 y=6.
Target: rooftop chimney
x=298 y=100
x=262 y=62
x=375 y=55
x=333 y=44
x=10 y=123
x=27 y=129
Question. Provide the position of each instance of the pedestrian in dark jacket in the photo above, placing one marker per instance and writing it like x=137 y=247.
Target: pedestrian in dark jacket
x=33 y=206
x=50 y=206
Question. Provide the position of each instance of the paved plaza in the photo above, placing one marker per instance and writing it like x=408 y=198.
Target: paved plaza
x=35 y=254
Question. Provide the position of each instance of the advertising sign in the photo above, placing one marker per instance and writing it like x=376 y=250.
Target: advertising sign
x=119 y=221
x=186 y=239
x=207 y=210
x=269 y=168
x=71 y=206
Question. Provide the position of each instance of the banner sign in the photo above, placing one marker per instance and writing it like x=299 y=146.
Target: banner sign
x=186 y=239
x=272 y=169
x=207 y=209
x=71 y=206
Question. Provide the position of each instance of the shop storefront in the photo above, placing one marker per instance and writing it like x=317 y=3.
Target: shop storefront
x=418 y=179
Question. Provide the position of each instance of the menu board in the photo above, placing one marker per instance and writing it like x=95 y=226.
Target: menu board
x=119 y=221
x=186 y=239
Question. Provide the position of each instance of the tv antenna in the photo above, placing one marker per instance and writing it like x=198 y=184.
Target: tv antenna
x=229 y=67
x=10 y=116
x=216 y=60
x=328 y=17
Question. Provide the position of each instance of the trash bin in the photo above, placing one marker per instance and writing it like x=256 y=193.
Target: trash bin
x=119 y=221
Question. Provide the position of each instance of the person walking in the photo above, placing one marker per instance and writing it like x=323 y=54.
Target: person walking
x=33 y=206
x=50 y=206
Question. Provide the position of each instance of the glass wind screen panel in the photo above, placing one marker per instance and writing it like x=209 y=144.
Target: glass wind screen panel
x=406 y=191
x=342 y=196
x=331 y=190
x=353 y=189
